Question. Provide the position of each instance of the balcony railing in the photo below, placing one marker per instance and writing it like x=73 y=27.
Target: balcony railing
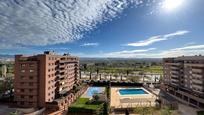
x=197 y=70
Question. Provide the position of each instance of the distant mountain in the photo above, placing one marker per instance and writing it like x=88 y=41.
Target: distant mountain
x=121 y=59
x=6 y=56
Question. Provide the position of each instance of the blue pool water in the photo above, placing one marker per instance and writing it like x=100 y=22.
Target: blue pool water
x=132 y=91
x=94 y=90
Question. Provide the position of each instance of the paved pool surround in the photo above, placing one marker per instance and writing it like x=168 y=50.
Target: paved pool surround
x=144 y=99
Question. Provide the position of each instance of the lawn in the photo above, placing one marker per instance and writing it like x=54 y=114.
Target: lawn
x=151 y=69
x=82 y=105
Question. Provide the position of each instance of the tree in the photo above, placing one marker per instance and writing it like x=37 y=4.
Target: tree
x=13 y=113
x=166 y=111
x=97 y=71
x=95 y=97
x=90 y=75
x=144 y=110
x=127 y=72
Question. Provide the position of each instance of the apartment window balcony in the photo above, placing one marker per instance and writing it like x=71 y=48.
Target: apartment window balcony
x=197 y=70
x=197 y=81
x=194 y=65
x=197 y=86
x=174 y=76
x=200 y=91
x=175 y=72
x=197 y=75
x=175 y=80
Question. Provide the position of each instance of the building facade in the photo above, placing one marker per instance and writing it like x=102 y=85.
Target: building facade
x=43 y=78
x=184 y=79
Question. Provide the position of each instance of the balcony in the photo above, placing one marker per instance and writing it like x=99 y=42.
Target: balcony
x=174 y=76
x=175 y=72
x=197 y=70
x=196 y=86
x=197 y=81
x=194 y=65
x=197 y=75
x=174 y=68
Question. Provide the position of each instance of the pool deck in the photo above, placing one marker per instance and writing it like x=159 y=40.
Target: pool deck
x=131 y=101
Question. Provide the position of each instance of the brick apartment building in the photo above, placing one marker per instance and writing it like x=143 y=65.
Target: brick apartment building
x=184 y=79
x=41 y=79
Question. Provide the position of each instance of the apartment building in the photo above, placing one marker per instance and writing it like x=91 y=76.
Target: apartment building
x=184 y=79
x=43 y=78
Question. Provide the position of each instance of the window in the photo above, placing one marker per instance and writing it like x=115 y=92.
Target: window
x=22 y=96
x=23 y=65
x=22 y=71
x=31 y=70
x=30 y=90
x=30 y=96
x=30 y=84
x=22 y=90
x=30 y=77
x=22 y=77
x=31 y=65
x=22 y=83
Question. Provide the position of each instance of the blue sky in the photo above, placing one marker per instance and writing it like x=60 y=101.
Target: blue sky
x=107 y=28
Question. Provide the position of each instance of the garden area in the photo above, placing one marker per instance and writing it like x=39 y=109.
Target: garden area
x=86 y=106
x=155 y=111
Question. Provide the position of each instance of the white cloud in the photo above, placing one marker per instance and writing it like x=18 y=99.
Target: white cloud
x=192 y=47
x=89 y=44
x=44 y=22
x=186 y=51
x=153 y=53
x=158 y=38
x=128 y=53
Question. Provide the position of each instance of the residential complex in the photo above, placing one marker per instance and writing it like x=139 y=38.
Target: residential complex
x=41 y=79
x=184 y=79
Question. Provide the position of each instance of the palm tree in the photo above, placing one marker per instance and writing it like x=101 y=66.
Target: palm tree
x=97 y=71
x=127 y=72
x=100 y=76
x=90 y=75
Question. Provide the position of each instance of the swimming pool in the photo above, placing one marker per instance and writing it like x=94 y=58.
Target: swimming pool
x=132 y=91
x=93 y=90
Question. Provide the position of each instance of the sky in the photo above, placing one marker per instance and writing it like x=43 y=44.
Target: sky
x=103 y=28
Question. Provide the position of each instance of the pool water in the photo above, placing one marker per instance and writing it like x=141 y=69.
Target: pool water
x=132 y=91
x=94 y=90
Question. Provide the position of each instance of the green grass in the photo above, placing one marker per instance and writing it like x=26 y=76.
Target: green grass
x=152 y=69
x=82 y=103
